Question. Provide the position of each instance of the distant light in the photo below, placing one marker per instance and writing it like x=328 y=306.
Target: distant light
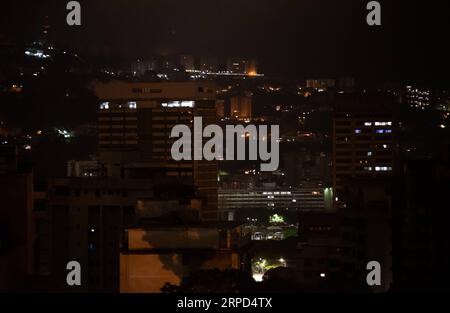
x=258 y=277
x=178 y=104
x=323 y=275
x=92 y=230
x=442 y=126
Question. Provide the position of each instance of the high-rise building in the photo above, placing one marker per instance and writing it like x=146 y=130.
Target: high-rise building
x=209 y=64
x=363 y=139
x=16 y=221
x=135 y=123
x=418 y=98
x=241 y=107
x=188 y=62
x=242 y=66
x=323 y=83
x=220 y=109
x=420 y=234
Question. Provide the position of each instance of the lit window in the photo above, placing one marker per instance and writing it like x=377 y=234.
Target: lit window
x=369 y=153
x=357 y=131
x=178 y=104
x=132 y=105
x=104 y=105
x=383 y=168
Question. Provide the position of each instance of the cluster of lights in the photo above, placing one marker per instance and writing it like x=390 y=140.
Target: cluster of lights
x=276 y=193
x=178 y=104
x=37 y=54
x=418 y=98
x=64 y=133
x=378 y=168
x=378 y=123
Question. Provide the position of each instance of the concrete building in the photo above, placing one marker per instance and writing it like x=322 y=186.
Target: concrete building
x=296 y=199
x=83 y=168
x=242 y=66
x=81 y=219
x=241 y=107
x=187 y=62
x=209 y=64
x=324 y=83
x=155 y=254
x=363 y=139
x=135 y=123
x=16 y=222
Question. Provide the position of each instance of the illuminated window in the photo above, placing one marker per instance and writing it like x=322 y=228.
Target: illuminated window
x=104 y=105
x=383 y=168
x=178 y=104
x=357 y=131
x=132 y=105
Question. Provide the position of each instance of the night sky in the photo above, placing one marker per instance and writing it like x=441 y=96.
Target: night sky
x=297 y=38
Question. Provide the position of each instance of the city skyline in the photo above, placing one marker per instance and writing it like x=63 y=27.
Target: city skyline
x=297 y=39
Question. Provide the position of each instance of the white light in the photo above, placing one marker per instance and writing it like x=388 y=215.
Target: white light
x=258 y=277
x=178 y=104
x=104 y=105
x=132 y=105
x=323 y=275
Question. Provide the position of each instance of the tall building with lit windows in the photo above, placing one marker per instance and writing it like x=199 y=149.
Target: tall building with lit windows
x=363 y=139
x=134 y=127
x=418 y=98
